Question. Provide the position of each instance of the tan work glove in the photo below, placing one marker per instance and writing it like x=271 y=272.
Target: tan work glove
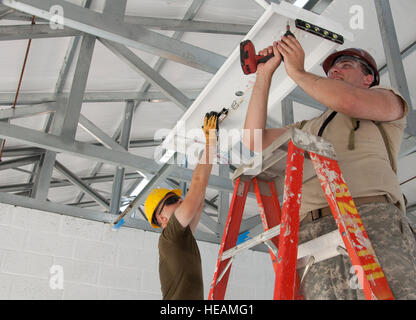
x=210 y=127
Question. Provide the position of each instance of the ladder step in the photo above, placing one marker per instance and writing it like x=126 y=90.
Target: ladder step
x=272 y=232
x=322 y=248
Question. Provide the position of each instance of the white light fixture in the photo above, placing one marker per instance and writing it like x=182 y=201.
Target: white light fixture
x=221 y=91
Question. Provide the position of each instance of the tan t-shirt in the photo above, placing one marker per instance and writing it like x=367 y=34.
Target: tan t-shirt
x=366 y=169
x=180 y=269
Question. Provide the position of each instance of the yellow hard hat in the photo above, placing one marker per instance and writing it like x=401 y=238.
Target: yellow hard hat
x=153 y=200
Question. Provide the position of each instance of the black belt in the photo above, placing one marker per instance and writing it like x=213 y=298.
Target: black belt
x=326 y=211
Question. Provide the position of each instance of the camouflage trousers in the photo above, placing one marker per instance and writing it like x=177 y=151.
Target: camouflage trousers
x=395 y=247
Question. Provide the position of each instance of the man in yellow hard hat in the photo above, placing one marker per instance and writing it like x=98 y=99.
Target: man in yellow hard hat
x=365 y=124
x=180 y=268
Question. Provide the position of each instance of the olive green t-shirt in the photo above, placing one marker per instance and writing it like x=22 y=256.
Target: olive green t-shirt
x=180 y=269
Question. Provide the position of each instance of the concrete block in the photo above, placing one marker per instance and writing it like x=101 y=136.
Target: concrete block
x=264 y=293
x=5 y=206
x=140 y=259
x=261 y=259
x=243 y=275
x=12 y=238
x=76 y=291
x=5 y=285
x=239 y=292
x=124 y=237
x=36 y=220
x=143 y=295
x=23 y=263
x=28 y=288
x=151 y=239
x=117 y=277
x=245 y=258
x=79 y=271
x=81 y=228
x=50 y=244
x=150 y=281
x=2 y=253
x=94 y=251
x=117 y=294
x=207 y=277
x=6 y=214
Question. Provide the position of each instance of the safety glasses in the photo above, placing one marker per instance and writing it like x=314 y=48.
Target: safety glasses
x=169 y=201
x=347 y=62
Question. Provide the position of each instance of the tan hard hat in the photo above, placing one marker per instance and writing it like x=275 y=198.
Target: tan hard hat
x=356 y=53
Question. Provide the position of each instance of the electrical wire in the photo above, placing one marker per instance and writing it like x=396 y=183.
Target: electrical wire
x=19 y=85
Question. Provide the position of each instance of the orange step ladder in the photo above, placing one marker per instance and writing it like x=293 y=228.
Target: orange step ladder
x=282 y=168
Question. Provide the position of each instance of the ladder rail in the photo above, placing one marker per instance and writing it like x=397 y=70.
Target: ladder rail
x=229 y=239
x=349 y=223
x=281 y=225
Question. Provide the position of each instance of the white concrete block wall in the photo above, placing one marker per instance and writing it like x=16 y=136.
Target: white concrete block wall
x=99 y=263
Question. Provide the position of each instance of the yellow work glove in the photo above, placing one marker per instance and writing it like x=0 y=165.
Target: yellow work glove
x=210 y=127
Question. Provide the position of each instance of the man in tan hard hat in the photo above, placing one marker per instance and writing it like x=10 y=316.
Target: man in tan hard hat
x=180 y=268
x=365 y=123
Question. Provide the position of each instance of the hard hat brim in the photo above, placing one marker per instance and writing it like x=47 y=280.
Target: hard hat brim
x=162 y=195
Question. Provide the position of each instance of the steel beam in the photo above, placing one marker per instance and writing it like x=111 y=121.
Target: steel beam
x=287 y=111
x=321 y=6
x=117 y=9
x=189 y=26
x=98 y=134
x=23 y=187
x=148 y=73
x=43 y=175
x=156 y=179
x=394 y=62
x=251 y=223
x=404 y=54
x=189 y=15
x=38 y=31
x=69 y=57
x=301 y=96
x=101 y=154
x=44 y=97
x=66 y=66
x=66 y=118
x=111 y=29
x=27 y=111
x=19 y=162
x=210 y=223
x=68 y=122
x=124 y=142
x=80 y=184
x=21 y=152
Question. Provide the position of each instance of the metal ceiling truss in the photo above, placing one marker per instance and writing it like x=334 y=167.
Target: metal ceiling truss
x=117 y=31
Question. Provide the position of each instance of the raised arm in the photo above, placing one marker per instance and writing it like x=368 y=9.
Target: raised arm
x=189 y=212
x=351 y=96
x=256 y=117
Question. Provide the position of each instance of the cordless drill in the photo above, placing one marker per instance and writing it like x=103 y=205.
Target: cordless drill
x=248 y=58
